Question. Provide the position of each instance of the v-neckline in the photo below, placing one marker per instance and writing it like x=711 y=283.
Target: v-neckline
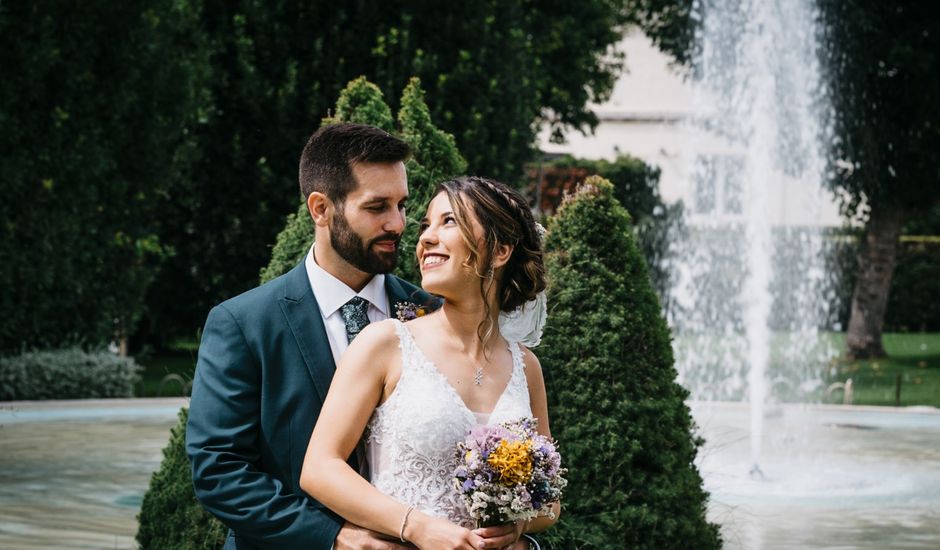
x=424 y=359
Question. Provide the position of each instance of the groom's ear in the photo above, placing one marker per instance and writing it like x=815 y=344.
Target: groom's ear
x=320 y=208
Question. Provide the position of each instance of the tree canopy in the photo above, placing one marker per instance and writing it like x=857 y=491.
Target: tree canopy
x=492 y=71
x=97 y=103
x=883 y=61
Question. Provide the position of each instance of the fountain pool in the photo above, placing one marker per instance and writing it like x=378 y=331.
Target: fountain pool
x=73 y=473
x=833 y=476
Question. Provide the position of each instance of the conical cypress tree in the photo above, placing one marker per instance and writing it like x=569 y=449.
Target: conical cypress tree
x=170 y=516
x=435 y=159
x=625 y=432
x=360 y=102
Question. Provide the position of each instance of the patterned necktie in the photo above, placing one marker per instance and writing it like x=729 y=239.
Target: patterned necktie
x=355 y=317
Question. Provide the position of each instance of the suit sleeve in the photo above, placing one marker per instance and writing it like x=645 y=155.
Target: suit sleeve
x=221 y=441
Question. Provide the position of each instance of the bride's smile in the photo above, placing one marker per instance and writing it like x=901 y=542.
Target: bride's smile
x=443 y=253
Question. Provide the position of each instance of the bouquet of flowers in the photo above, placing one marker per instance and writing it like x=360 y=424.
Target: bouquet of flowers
x=508 y=473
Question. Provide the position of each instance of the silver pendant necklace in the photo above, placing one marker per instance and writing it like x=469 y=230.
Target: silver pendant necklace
x=478 y=377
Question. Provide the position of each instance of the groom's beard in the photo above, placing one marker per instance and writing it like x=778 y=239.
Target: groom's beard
x=349 y=245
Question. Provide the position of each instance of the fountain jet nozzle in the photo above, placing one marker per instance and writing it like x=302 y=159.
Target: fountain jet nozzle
x=757 y=473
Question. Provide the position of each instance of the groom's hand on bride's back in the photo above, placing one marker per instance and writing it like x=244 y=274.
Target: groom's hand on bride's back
x=353 y=537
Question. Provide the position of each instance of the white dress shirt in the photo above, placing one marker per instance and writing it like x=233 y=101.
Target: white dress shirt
x=331 y=294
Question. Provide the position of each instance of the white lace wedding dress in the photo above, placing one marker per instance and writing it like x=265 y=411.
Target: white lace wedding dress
x=411 y=438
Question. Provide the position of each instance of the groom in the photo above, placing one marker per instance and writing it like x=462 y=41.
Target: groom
x=267 y=356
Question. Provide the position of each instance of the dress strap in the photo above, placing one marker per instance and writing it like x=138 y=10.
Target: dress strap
x=518 y=356
x=406 y=343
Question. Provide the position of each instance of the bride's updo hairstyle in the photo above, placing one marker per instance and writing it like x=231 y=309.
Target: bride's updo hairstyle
x=506 y=219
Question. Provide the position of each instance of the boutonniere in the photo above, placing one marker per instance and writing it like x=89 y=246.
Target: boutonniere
x=406 y=311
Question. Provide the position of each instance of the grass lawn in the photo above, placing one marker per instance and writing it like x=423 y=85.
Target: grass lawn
x=180 y=360
x=913 y=356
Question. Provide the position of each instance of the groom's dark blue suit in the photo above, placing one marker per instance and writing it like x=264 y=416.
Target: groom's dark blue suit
x=264 y=369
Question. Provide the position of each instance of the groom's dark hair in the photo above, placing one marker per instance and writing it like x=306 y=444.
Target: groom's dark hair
x=327 y=160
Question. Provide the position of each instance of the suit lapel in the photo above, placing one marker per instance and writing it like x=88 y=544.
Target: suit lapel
x=306 y=324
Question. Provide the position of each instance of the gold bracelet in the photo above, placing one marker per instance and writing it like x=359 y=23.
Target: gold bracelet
x=404 y=522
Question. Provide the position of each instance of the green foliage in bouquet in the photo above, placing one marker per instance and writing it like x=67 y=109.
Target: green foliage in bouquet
x=618 y=414
x=170 y=516
x=435 y=158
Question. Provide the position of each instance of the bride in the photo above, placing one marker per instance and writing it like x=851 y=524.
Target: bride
x=415 y=389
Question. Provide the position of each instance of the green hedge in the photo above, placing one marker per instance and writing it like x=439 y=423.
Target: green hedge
x=914 y=301
x=617 y=412
x=69 y=373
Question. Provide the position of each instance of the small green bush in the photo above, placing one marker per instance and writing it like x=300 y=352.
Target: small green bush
x=617 y=412
x=69 y=373
x=170 y=516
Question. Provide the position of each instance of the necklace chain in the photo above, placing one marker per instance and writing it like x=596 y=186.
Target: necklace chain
x=478 y=377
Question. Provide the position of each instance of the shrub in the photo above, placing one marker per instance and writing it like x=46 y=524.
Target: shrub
x=617 y=411
x=636 y=184
x=914 y=300
x=435 y=158
x=292 y=243
x=69 y=373
x=170 y=516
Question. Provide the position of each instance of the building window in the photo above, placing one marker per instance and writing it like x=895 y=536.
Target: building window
x=718 y=186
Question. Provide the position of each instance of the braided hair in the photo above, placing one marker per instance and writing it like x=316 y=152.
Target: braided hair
x=506 y=220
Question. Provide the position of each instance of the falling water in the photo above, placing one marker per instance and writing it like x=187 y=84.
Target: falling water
x=750 y=286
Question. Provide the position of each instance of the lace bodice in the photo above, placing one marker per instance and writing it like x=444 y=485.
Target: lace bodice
x=412 y=436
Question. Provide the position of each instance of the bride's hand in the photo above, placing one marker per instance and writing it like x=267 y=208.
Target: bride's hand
x=433 y=533
x=501 y=536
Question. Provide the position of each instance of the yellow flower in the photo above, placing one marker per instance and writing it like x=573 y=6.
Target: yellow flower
x=512 y=462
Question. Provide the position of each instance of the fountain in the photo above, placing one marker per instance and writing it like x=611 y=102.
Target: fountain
x=752 y=302
x=750 y=292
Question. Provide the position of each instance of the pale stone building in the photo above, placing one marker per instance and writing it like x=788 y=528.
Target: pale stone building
x=646 y=117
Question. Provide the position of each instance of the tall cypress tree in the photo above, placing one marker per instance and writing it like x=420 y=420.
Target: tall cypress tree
x=435 y=158
x=617 y=411
x=170 y=516
x=360 y=102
